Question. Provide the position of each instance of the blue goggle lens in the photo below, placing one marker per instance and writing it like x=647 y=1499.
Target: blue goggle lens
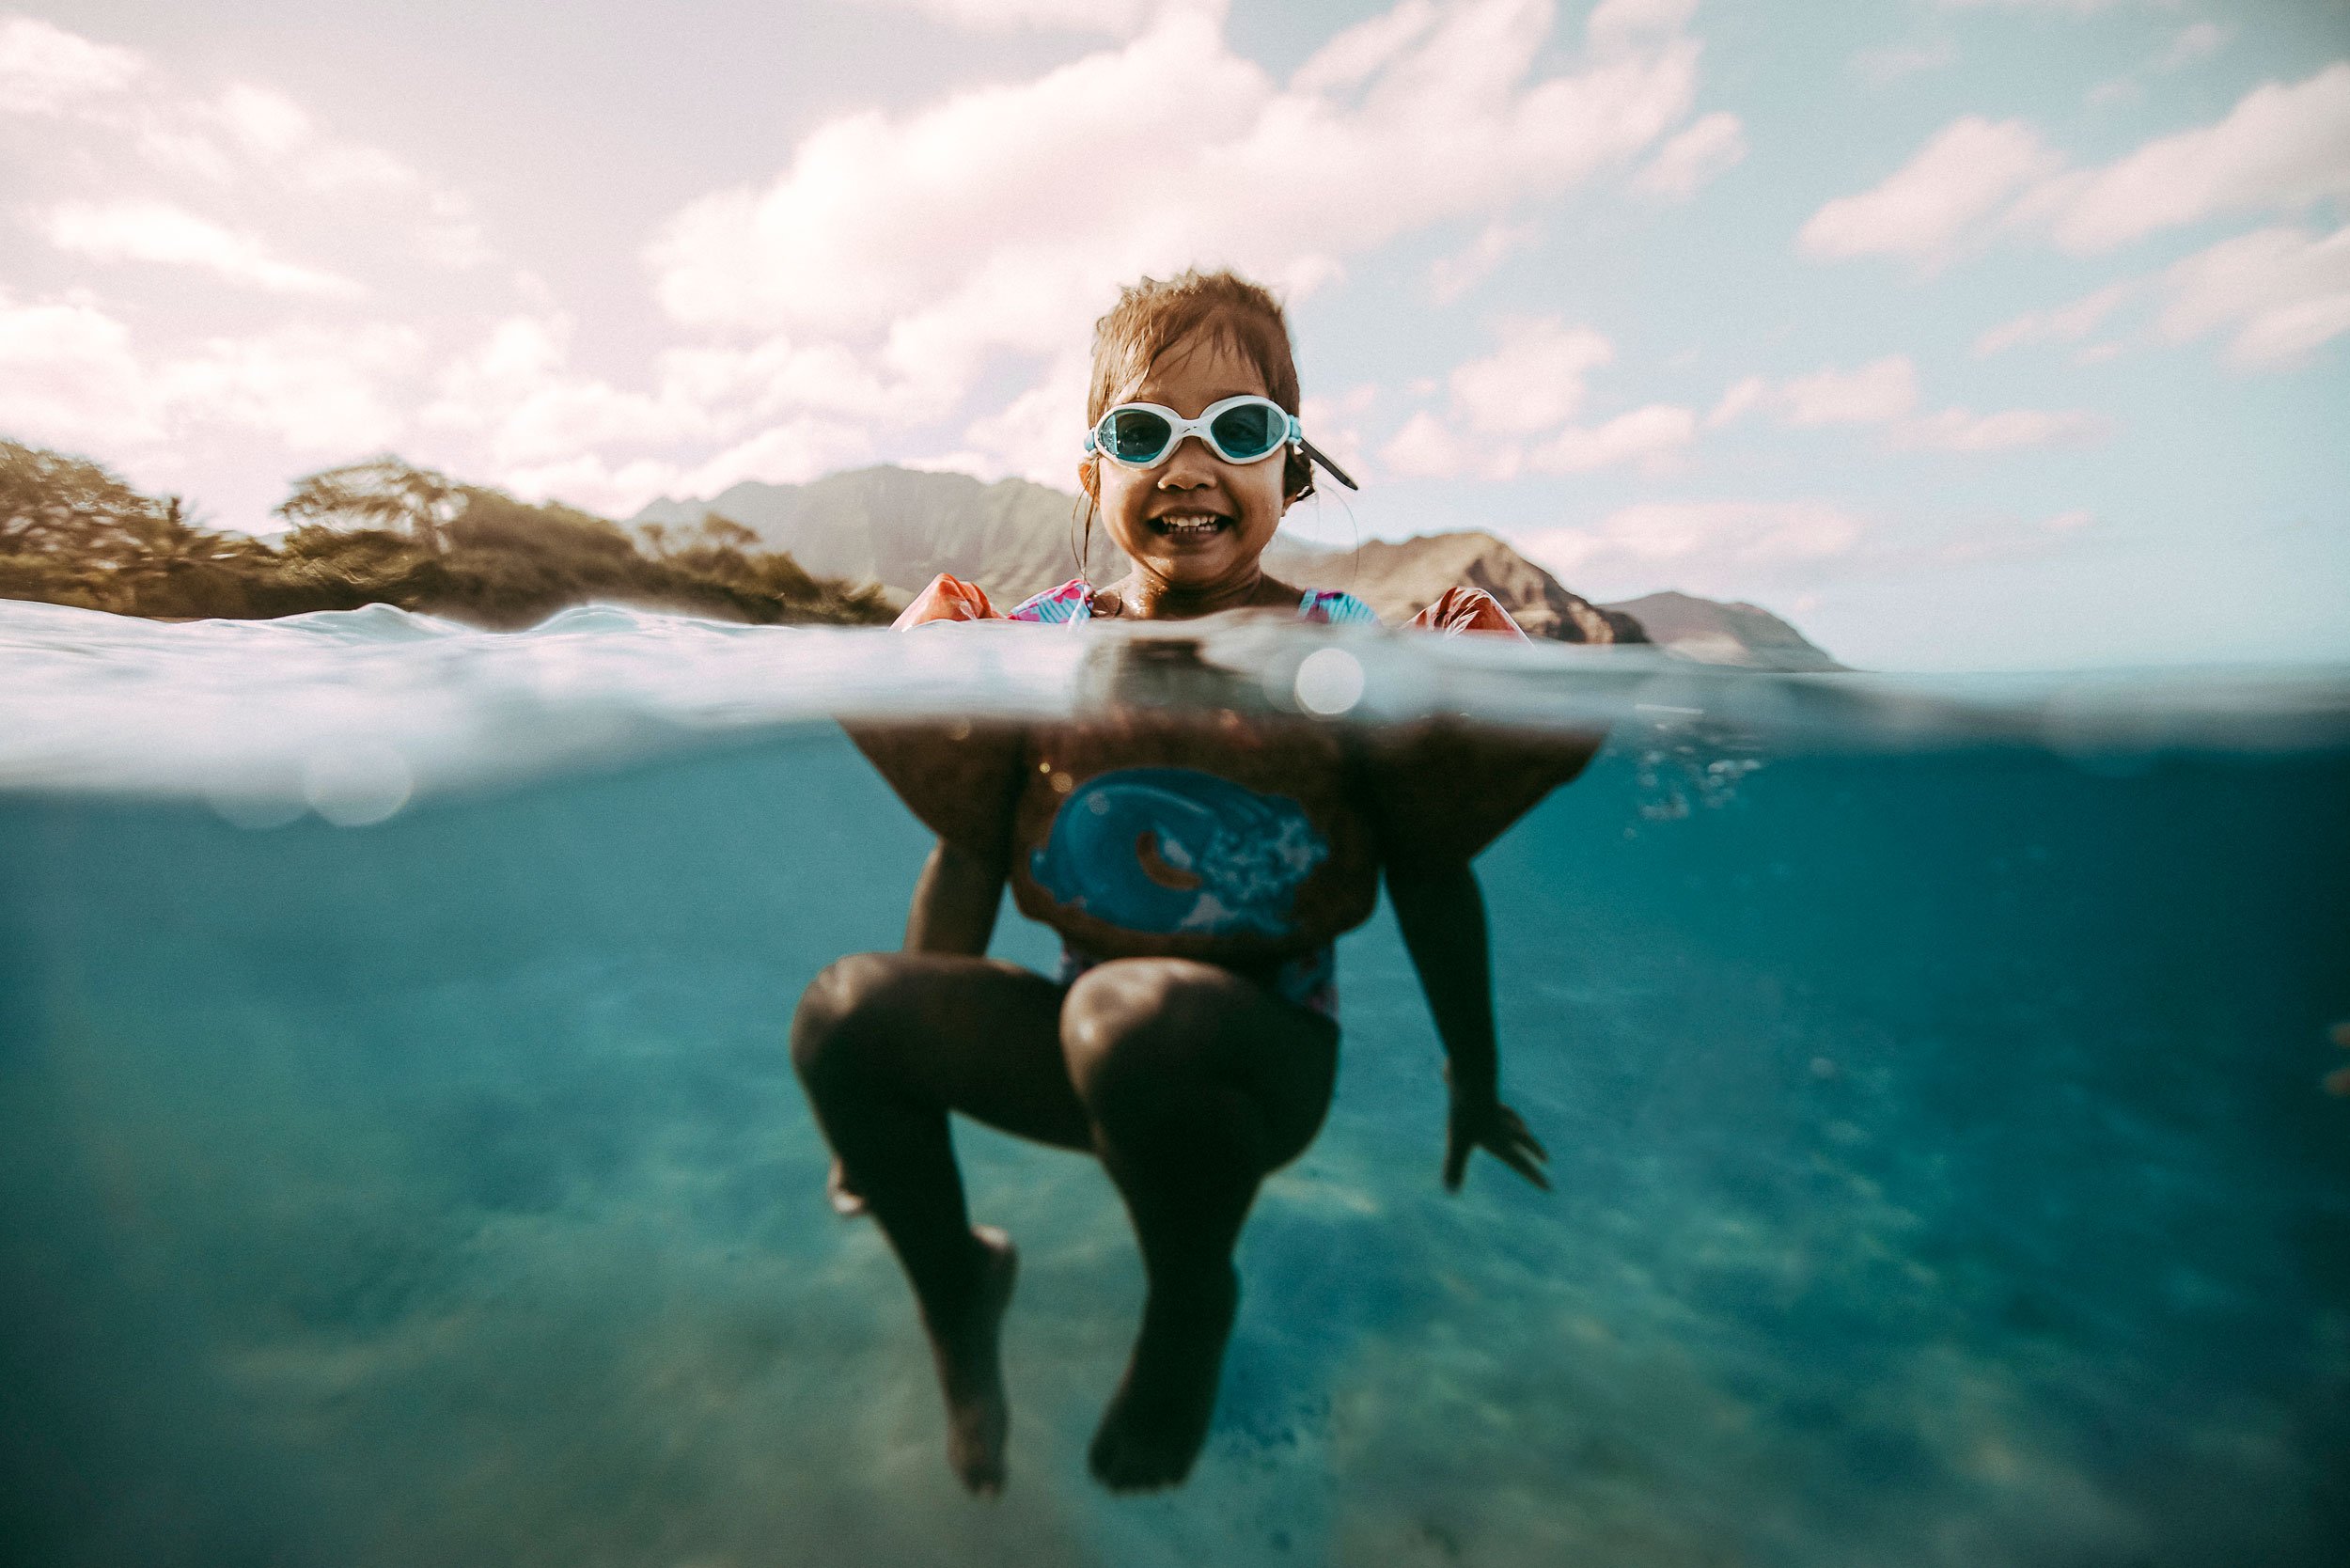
x=1249 y=432
x=1135 y=435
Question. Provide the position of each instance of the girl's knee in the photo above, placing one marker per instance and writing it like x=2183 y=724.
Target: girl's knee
x=831 y=1007
x=1135 y=1025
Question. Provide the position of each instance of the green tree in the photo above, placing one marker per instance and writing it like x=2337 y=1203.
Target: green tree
x=385 y=493
x=74 y=533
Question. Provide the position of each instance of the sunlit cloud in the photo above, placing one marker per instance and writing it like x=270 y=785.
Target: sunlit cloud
x=1451 y=277
x=936 y=240
x=1883 y=393
x=2067 y=323
x=1972 y=170
x=2280 y=293
x=1694 y=158
x=45 y=70
x=1872 y=394
x=1957 y=430
x=1510 y=412
x=166 y=235
x=2282 y=146
x=1719 y=547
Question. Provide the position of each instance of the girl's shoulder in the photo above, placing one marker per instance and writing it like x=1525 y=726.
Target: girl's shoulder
x=1071 y=601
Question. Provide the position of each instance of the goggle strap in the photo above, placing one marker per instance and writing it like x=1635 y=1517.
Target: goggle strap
x=1314 y=454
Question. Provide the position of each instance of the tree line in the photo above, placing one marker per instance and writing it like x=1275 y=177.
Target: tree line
x=383 y=532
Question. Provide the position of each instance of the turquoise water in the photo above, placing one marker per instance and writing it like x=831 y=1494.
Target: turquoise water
x=1932 y=1072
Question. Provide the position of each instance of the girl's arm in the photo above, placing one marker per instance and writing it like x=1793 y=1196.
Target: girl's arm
x=955 y=901
x=1443 y=915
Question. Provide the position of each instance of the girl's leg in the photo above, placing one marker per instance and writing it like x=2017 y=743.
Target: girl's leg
x=1198 y=1084
x=885 y=1044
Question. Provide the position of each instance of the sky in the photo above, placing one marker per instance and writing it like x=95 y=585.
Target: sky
x=1966 y=334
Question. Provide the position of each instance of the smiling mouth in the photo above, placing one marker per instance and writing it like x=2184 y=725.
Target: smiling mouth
x=1190 y=525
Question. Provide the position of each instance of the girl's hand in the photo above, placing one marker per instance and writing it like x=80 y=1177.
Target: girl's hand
x=945 y=599
x=1484 y=1122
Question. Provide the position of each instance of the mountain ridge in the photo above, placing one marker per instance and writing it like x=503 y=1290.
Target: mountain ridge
x=899 y=527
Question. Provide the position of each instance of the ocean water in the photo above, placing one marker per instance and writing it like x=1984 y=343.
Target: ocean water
x=399 y=1161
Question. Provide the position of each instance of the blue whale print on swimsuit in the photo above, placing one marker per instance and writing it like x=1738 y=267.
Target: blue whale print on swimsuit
x=1175 y=850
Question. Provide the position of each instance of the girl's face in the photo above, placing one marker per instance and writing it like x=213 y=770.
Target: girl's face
x=1195 y=522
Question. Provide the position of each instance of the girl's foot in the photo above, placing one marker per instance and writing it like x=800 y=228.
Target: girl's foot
x=846 y=1200
x=1157 y=1421
x=970 y=1369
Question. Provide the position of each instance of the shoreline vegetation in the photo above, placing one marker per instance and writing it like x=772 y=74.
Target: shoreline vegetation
x=845 y=550
x=384 y=531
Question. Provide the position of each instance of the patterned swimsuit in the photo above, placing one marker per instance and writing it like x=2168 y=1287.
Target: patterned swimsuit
x=1309 y=981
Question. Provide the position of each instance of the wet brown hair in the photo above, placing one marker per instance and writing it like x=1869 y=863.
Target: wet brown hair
x=1155 y=315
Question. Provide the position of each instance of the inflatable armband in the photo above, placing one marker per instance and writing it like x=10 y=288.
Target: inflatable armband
x=1445 y=789
x=958 y=777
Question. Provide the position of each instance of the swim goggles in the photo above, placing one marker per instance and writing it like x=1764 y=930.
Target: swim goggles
x=1241 y=431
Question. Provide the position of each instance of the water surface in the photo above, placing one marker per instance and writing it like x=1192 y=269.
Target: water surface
x=401 y=1164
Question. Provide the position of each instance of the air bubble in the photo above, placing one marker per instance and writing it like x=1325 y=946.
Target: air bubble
x=358 y=787
x=1329 y=682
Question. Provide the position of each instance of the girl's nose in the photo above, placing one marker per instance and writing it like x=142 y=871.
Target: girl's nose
x=1189 y=465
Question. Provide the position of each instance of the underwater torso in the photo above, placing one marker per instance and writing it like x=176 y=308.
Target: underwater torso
x=1233 y=838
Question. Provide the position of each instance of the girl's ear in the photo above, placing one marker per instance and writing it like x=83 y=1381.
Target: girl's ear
x=1085 y=480
x=1297 y=478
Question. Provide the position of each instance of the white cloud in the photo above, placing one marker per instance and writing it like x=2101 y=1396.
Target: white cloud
x=2283 y=292
x=69 y=377
x=899 y=261
x=772 y=410
x=1331 y=424
x=1956 y=430
x=932 y=242
x=1876 y=392
x=1533 y=382
x=1710 y=146
x=1644 y=435
x=1883 y=392
x=1879 y=391
x=1427 y=448
x=159 y=232
x=1717 y=547
x=1970 y=171
x=1450 y=276
x=2281 y=147
x=2068 y=323
x=2277 y=294
x=323 y=390
x=1509 y=413
x=45 y=70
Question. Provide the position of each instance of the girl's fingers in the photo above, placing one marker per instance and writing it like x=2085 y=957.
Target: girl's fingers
x=1515 y=1159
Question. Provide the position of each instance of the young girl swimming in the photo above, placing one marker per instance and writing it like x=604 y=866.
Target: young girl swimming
x=1198 y=866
